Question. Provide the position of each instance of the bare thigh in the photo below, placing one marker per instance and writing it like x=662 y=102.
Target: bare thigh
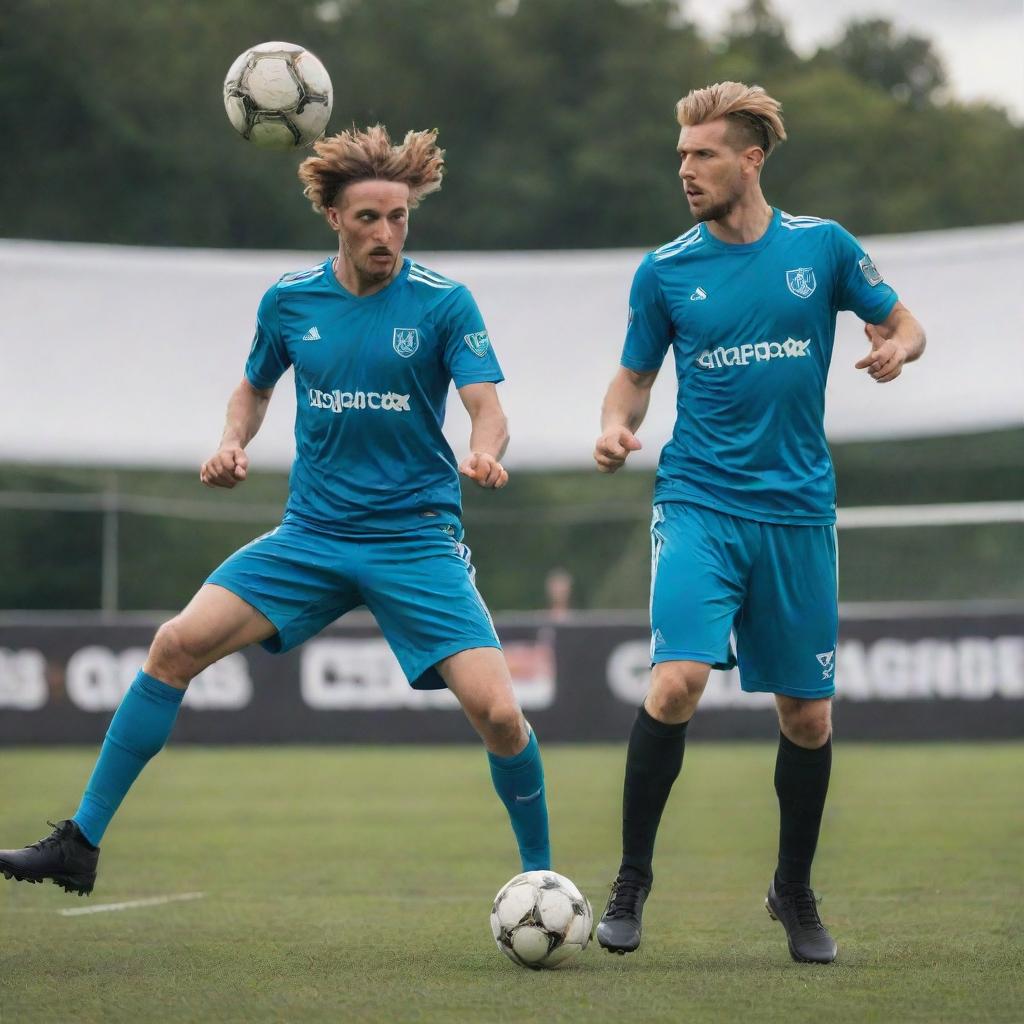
x=480 y=679
x=213 y=624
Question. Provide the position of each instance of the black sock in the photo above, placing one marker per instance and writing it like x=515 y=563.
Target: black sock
x=653 y=760
x=801 y=782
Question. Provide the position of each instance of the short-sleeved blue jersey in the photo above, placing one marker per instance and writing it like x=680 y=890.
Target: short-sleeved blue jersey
x=371 y=382
x=752 y=328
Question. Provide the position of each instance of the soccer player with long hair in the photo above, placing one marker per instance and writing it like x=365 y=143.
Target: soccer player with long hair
x=374 y=506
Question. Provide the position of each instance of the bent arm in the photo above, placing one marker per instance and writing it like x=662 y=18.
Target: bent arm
x=489 y=431
x=622 y=412
x=902 y=327
x=247 y=407
x=229 y=465
x=488 y=436
x=625 y=404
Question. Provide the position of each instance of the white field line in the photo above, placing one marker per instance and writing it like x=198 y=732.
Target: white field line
x=152 y=901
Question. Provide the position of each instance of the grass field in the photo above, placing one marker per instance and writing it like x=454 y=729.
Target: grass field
x=352 y=885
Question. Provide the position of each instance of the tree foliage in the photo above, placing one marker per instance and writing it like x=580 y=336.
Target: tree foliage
x=557 y=116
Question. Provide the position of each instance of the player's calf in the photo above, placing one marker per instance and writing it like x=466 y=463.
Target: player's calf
x=65 y=857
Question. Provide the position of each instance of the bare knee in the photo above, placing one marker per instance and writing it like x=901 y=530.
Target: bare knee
x=676 y=688
x=173 y=659
x=503 y=728
x=807 y=723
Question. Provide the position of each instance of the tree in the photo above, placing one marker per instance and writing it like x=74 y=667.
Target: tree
x=905 y=66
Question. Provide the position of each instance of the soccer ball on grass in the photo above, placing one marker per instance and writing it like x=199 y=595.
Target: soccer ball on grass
x=278 y=95
x=540 y=919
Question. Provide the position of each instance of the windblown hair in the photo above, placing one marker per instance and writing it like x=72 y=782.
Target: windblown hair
x=369 y=155
x=754 y=117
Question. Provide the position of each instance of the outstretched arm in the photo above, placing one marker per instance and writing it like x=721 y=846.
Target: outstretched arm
x=488 y=437
x=229 y=464
x=898 y=339
x=624 y=408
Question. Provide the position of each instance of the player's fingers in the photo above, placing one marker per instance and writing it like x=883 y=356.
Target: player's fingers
x=630 y=442
x=891 y=375
x=489 y=473
x=868 y=360
x=884 y=369
x=502 y=479
x=241 y=469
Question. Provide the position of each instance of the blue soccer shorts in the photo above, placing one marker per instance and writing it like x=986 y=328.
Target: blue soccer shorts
x=773 y=587
x=419 y=586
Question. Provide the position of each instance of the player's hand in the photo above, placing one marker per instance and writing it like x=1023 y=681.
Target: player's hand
x=885 y=360
x=484 y=469
x=612 y=448
x=227 y=467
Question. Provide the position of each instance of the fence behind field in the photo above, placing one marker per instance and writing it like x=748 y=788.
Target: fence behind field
x=903 y=672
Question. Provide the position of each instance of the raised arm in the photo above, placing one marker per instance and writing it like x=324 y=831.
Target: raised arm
x=622 y=412
x=229 y=464
x=898 y=339
x=488 y=437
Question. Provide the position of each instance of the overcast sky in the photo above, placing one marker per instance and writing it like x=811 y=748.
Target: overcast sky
x=981 y=41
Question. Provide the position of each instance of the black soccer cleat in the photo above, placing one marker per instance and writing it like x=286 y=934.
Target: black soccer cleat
x=65 y=856
x=621 y=923
x=794 y=906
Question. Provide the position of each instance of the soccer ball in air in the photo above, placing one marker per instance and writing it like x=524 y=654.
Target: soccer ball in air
x=278 y=95
x=540 y=919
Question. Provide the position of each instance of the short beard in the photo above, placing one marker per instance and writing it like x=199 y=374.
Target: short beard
x=720 y=211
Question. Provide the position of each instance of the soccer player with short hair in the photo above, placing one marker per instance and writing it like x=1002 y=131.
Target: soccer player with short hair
x=374 y=507
x=743 y=534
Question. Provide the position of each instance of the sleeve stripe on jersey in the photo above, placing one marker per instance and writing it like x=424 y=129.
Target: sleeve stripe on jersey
x=664 y=254
x=684 y=237
x=433 y=275
x=796 y=223
x=300 y=276
x=426 y=281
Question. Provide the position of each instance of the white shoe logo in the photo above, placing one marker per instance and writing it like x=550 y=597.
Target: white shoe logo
x=311 y=335
x=699 y=295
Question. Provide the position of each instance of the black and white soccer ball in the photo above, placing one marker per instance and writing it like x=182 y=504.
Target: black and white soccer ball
x=278 y=95
x=540 y=919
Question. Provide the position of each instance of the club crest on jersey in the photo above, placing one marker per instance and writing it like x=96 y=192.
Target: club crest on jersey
x=405 y=341
x=801 y=282
x=478 y=343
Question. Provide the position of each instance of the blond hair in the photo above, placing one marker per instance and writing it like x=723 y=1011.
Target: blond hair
x=355 y=155
x=751 y=113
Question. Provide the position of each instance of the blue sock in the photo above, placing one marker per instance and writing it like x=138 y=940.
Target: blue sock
x=137 y=732
x=519 y=781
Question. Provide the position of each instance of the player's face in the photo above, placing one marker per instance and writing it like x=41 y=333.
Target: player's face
x=711 y=170
x=372 y=221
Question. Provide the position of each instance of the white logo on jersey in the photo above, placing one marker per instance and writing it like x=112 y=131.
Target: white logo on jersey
x=827 y=661
x=801 y=282
x=405 y=341
x=338 y=400
x=657 y=640
x=870 y=271
x=742 y=355
x=311 y=335
x=699 y=295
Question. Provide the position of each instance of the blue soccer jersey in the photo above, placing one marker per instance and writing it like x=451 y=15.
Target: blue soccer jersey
x=752 y=329
x=371 y=382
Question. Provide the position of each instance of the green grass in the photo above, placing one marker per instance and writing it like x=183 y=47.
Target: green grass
x=354 y=885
